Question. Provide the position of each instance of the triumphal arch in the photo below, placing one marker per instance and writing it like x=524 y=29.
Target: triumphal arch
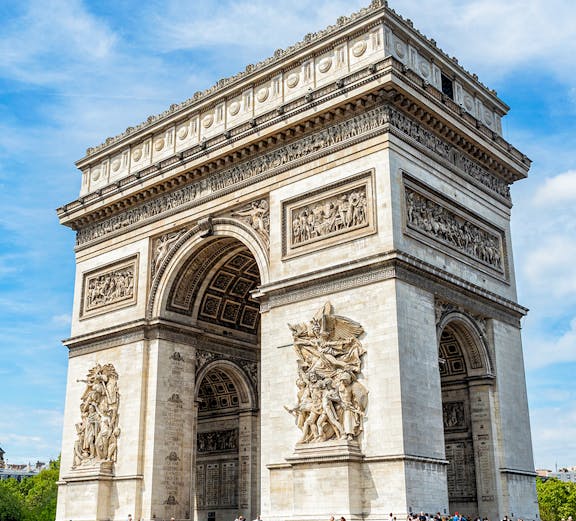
x=295 y=296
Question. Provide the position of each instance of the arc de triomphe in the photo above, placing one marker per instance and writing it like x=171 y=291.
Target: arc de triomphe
x=295 y=296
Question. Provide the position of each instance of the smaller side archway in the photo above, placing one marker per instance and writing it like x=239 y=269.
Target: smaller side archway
x=227 y=441
x=469 y=419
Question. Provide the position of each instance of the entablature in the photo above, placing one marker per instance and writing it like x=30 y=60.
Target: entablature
x=410 y=107
x=239 y=105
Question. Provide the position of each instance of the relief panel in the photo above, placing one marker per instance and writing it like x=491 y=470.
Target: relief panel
x=431 y=216
x=328 y=216
x=110 y=287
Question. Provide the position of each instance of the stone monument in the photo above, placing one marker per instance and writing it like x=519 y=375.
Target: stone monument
x=295 y=296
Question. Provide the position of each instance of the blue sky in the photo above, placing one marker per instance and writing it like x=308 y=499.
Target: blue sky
x=74 y=72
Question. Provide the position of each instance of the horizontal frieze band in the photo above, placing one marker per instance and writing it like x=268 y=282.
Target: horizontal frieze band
x=393 y=264
x=329 y=140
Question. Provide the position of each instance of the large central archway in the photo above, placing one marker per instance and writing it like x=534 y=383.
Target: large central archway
x=208 y=288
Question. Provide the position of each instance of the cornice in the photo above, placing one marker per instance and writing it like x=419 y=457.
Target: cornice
x=376 y=12
x=94 y=209
x=144 y=330
x=388 y=265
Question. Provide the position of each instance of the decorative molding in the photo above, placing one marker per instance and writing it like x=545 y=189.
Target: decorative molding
x=328 y=140
x=434 y=217
x=249 y=368
x=330 y=215
x=449 y=153
x=98 y=431
x=110 y=287
x=444 y=308
x=279 y=55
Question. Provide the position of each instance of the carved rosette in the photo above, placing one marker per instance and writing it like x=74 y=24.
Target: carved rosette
x=98 y=431
x=331 y=401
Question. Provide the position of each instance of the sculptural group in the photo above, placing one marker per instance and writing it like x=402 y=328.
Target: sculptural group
x=98 y=432
x=331 y=401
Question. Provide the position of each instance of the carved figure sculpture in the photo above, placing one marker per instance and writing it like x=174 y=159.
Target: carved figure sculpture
x=256 y=214
x=329 y=216
x=331 y=401
x=97 y=433
x=440 y=223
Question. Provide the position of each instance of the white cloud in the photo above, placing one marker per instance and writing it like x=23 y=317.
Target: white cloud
x=547 y=348
x=60 y=33
x=258 y=25
x=557 y=189
x=63 y=319
x=549 y=266
x=554 y=435
x=495 y=36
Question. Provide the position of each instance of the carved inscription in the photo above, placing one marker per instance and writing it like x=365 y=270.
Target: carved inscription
x=331 y=401
x=285 y=157
x=217 y=484
x=342 y=210
x=109 y=288
x=97 y=433
x=461 y=471
x=436 y=221
x=218 y=441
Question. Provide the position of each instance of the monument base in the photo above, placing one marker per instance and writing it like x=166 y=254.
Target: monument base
x=299 y=487
x=87 y=492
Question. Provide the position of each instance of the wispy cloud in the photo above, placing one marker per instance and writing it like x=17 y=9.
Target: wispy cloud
x=494 y=37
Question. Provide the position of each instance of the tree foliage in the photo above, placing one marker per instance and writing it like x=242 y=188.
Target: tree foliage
x=556 y=499
x=32 y=499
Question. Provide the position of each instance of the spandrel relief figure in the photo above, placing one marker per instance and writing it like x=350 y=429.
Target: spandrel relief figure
x=331 y=401
x=97 y=433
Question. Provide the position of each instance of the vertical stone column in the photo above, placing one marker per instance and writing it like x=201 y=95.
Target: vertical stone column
x=173 y=434
x=484 y=440
x=245 y=467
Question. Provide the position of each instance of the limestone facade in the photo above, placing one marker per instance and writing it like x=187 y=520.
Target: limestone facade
x=361 y=172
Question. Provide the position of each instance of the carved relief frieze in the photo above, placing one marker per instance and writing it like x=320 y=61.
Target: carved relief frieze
x=217 y=441
x=435 y=218
x=245 y=173
x=330 y=215
x=331 y=401
x=109 y=288
x=329 y=139
x=453 y=415
x=97 y=433
x=435 y=144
